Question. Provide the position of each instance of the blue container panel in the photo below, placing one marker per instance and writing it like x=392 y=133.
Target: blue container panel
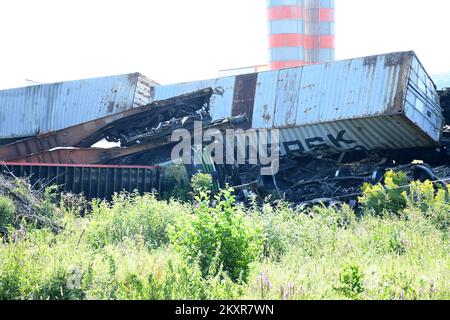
x=358 y=95
x=265 y=99
x=329 y=92
x=347 y=89
x=371 y=133
x=422 y=102
x=49 y=107
x=286 y=104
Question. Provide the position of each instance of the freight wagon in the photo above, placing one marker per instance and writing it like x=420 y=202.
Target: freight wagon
x=93 y=181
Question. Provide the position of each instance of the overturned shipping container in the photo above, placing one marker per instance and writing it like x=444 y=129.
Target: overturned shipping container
x=44 y=108
x=374 y=103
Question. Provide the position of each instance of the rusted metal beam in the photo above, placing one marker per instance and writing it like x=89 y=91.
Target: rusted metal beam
x=85 y=134
x=101 y=155
x=84 y=155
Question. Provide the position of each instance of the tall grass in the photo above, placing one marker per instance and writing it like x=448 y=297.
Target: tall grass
x=136 y=247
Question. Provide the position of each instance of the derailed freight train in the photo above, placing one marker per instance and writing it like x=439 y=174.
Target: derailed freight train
x=340 y=124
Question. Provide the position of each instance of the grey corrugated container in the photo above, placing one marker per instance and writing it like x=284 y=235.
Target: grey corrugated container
x=379 y=102
x=48 y=107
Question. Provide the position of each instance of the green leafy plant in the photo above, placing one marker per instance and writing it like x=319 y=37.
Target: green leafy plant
x=351 y=281
x=201 y=182
x=7 y=211
x=388 y=197
x=434 y=205
x=218 y=235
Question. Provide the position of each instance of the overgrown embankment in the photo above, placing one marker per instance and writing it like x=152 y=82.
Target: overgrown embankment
x=138 y=247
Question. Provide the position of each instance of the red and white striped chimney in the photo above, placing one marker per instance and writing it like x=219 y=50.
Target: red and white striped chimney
x=301 y=32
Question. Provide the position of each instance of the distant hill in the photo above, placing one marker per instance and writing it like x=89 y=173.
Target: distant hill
x=442 y=80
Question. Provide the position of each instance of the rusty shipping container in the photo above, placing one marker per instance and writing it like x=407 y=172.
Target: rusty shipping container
x=43 y=108
x=379 y=102
x=94 y=181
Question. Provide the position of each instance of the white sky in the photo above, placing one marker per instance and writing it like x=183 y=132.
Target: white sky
x=179 y=40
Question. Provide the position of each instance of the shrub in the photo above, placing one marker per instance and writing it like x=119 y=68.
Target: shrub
x=390 y=197
x=201 y=182
x=7 y=211
x=175 y=183
x=351 y=281
x=47 y=206
x=218 y=236
x=318 y=231
x=433 y=205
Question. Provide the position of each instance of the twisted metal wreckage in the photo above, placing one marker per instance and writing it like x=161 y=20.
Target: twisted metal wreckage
x=327 y=165
x=144 y=136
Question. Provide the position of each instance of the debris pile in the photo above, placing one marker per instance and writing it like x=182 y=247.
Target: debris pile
x=331 y=139
x=308 y=181
x=30 y=202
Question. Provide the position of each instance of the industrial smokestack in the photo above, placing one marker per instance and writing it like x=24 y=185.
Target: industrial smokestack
x=301 y=32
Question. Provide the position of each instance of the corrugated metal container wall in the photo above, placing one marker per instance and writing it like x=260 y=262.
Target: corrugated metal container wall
x=42 y=108
x=379 y=102
x=421 y=94
x=94 y=181
x=333 y=91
